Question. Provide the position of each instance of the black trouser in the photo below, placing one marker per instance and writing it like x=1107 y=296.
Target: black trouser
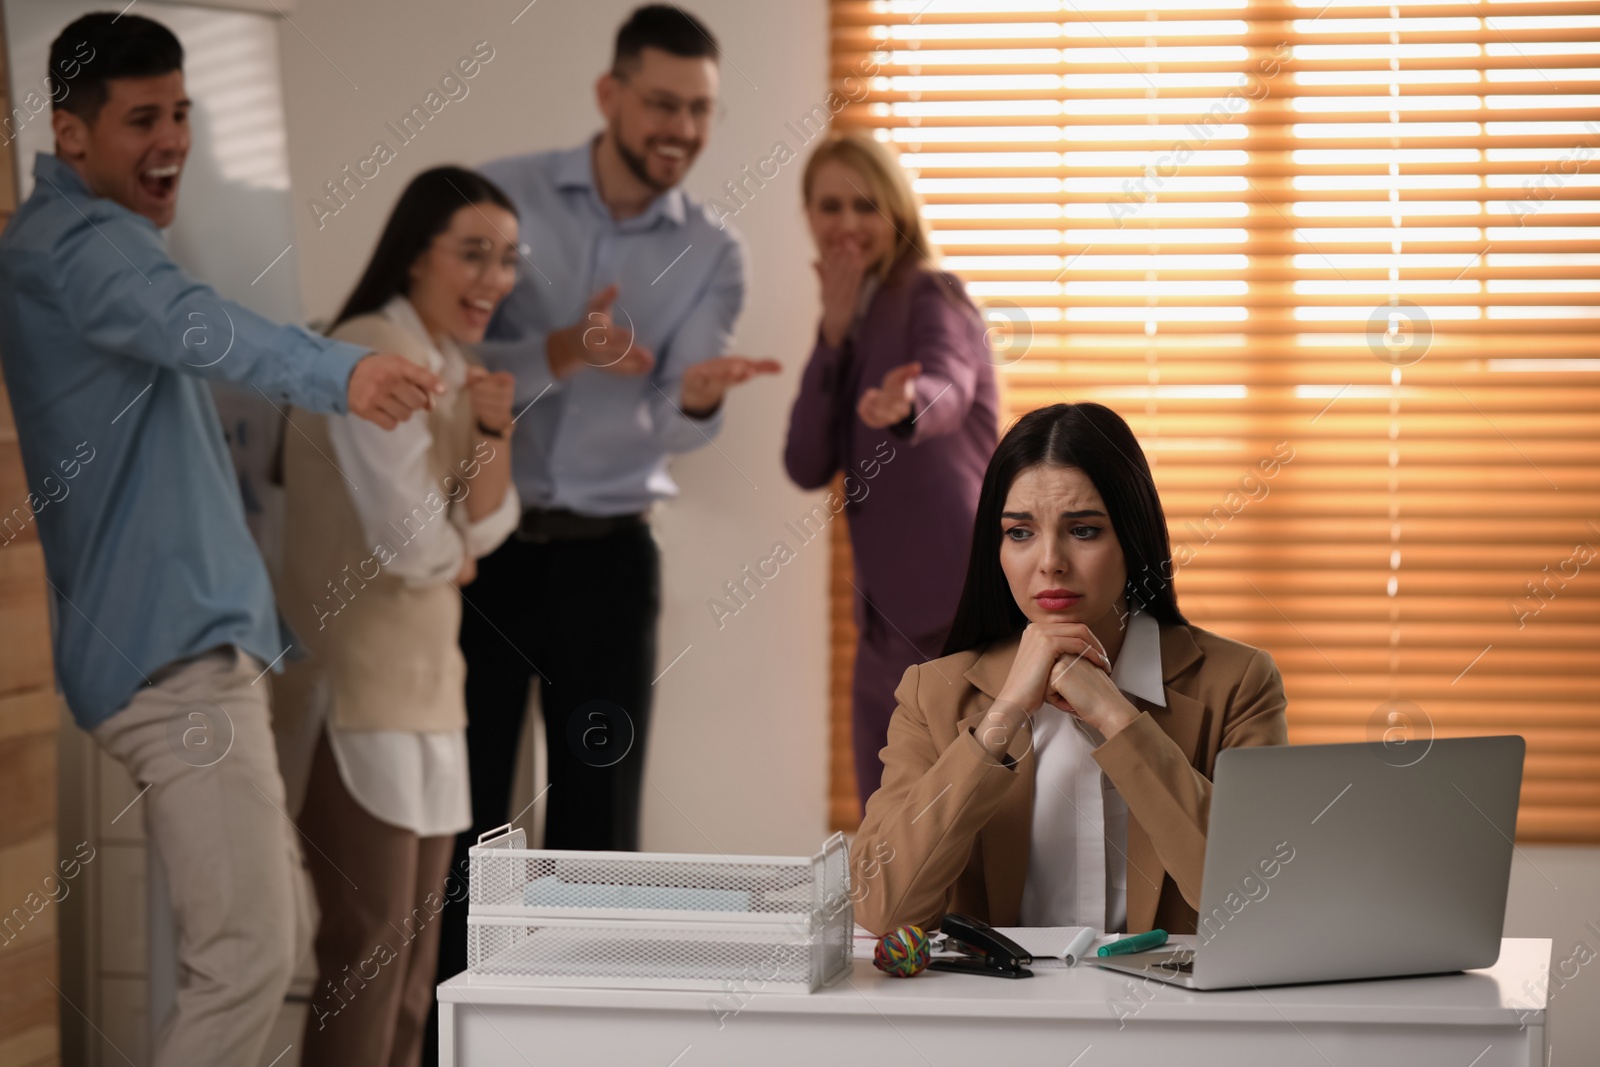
x=580 y=617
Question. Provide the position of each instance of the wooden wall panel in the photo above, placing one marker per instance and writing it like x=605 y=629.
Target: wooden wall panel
x=27 y=787
x=28 y=713
x=24 y=619
x=30 y=1020
x=30 y=916
x=28 y=1016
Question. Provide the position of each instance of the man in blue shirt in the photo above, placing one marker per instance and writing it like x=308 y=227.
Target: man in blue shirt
x=617 y=341
x=164 y=617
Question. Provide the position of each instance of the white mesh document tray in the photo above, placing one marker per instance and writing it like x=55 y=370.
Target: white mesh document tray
x=658 y=920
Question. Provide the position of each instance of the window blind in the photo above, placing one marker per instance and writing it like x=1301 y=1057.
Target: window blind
x=1338 y=265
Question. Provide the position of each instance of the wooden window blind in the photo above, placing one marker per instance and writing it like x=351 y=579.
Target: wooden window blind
x=1338 y=265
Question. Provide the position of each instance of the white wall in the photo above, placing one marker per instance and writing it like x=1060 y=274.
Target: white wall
x=1555 y=893
x=737 y=753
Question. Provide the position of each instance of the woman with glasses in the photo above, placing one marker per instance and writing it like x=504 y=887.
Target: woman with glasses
x=899 y=398
x=382 y=528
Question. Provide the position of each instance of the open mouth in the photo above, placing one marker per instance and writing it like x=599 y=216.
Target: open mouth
x=674 y=154
x=160 y=183
x=477 y=310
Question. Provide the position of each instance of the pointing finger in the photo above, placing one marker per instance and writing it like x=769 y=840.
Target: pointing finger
x=600 y=303
x=422 y=378
x=901 y=375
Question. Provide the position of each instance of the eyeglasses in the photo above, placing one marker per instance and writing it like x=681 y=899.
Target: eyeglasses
x=665 y=108
x=478 y=256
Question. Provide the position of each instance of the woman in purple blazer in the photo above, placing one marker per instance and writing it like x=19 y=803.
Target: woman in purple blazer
x=899 y=395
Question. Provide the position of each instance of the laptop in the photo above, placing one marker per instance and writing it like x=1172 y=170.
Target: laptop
x=1333 y=862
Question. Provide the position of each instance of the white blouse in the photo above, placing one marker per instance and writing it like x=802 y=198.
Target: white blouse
x=390 y=471
x=414 y=780
x=1077 y=852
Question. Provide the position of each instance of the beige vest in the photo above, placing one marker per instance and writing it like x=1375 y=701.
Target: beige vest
x=389 y=650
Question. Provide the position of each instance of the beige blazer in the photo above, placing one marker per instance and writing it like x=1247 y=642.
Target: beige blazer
x=388 y=649
x=948 y=830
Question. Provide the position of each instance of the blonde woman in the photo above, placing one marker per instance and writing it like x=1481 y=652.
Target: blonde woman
x=382 y=528
x=899 y=397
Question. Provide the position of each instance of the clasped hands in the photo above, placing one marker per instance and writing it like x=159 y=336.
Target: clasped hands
x=1062 y=664
x=596 y=340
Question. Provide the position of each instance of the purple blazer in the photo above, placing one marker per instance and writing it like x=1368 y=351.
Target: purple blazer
x=912 y=489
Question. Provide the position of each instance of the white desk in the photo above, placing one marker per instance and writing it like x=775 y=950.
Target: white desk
x=1485 y=1018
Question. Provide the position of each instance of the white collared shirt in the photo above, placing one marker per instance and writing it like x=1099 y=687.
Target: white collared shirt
x=1078 y=843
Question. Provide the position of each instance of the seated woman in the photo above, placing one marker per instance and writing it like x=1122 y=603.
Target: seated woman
x=1053 y=768
x=382 y=528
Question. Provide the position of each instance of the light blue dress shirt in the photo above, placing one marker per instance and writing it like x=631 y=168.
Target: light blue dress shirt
x=105 y=342
x=597 y=443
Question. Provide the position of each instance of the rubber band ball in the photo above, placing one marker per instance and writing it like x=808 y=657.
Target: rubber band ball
x=903 y=952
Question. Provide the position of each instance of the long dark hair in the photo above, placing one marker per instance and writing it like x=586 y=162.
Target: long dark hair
x=423 y=212
x=1094 y=439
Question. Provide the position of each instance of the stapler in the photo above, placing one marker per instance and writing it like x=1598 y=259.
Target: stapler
x=984 y=950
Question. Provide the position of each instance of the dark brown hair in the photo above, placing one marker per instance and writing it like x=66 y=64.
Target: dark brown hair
x=1095 y=440
x=422 y=213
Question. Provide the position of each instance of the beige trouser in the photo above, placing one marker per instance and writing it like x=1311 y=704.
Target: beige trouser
x=200 y=736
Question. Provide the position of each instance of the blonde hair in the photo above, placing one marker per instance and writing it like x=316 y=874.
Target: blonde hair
x=888 y=187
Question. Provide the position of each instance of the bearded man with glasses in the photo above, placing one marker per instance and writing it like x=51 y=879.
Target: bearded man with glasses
x=617 y=333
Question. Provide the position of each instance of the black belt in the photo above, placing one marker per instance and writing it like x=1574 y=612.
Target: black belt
x=541 y=526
